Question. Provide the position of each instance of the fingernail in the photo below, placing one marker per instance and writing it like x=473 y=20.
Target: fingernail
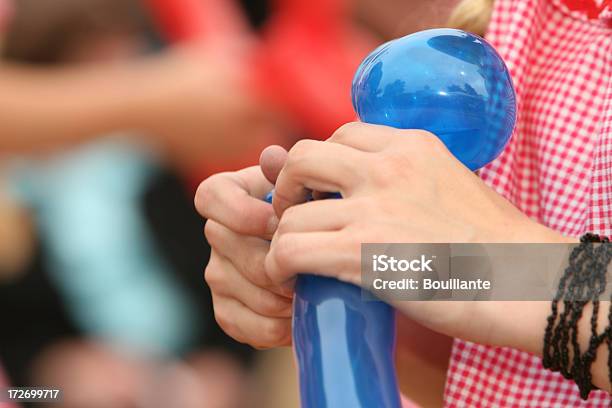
x=272 y=225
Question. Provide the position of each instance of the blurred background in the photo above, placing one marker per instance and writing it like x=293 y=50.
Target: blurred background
x=111 y=113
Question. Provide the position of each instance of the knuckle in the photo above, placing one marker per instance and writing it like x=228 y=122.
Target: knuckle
x=285 y=250
x=223 y=319
x=213 y=276
x=260 y=347
x=344 y=131
x=420 y=133
x=200 y=197
x=206 y=192
x=212 y=231
x=300 y=150
x=390 y=167
x=379 y=176
x=270 y=304
x=425 y=141
x=284 y=224
x=255 y=270
x=275 y=331
x=260 y=342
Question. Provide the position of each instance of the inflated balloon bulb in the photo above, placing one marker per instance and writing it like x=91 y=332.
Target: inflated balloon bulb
x=456 y=86
x=448 y=82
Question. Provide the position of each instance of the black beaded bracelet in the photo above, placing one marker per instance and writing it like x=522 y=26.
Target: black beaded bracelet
x=583 y=282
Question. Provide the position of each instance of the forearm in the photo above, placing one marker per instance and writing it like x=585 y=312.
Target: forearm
x=521 y=325
x=517 y=324
x=43 y=108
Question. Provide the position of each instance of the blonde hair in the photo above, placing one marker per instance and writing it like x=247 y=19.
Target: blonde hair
x=472 y=16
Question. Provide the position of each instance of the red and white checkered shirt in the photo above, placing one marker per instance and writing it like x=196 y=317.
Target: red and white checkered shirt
x=557 y=169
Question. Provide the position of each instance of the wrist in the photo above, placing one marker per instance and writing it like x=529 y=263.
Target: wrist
x=515 y=324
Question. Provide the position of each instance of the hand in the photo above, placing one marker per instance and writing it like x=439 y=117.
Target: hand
x=200 y=106
x=398 y=186
x=248 y=306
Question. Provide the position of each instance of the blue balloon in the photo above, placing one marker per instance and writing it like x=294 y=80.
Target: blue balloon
x=449 y=82
x=456 y=86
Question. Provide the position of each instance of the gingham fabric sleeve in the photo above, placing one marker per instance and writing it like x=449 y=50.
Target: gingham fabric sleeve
x=600 y=206
x=557 y=169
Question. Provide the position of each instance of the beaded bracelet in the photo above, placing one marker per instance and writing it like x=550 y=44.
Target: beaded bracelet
x=583 y=281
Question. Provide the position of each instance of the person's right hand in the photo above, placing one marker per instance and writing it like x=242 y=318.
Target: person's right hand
x=248 y=306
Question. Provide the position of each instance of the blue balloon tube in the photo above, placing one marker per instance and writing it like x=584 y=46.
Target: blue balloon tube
x=343 y=344
x=456 y=86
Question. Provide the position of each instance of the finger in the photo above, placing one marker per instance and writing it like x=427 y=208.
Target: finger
x=375 y=138
x=322 y=215
x=272 y=160
x=246 y=326
x=232 y=200
x=332 y=254
x=320 y=166
x=364 y=136
x=254 y=181
x=223 y=279
x=247 y=255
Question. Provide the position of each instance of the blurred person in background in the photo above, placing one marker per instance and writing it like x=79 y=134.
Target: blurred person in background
x=162 y=94
x=109 y=221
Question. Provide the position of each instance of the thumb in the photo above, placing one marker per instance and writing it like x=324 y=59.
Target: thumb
x=272 y=160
